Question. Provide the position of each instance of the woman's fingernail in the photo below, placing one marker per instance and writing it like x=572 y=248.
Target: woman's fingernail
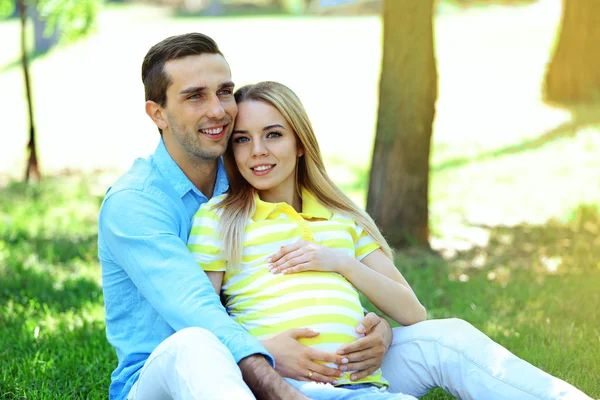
x=343 y=368
x=360 y=328
x=353 y=377
x=269 y=260
x=344 y=361
x=342 y=375
x=334 y=382
x=340 y=351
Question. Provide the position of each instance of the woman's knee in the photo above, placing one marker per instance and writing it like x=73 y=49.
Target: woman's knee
x=451 y=330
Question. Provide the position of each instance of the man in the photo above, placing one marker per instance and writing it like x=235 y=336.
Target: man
x=174 y=339
x=172 y=336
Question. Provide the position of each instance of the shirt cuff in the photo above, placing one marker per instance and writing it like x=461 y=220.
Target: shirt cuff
x=249 y=346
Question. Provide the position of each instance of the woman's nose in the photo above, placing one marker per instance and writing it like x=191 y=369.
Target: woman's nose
x=259 y=149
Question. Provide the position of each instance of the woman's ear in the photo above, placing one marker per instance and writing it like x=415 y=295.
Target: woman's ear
x=156 y=113
x=300 y=151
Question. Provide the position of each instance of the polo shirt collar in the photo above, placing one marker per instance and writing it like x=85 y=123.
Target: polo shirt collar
x=311 y=208
x=170 y=170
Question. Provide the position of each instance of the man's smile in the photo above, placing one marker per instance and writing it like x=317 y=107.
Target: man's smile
x=214 y=133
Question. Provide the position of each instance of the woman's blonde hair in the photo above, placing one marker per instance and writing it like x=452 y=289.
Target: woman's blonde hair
x=239 y=205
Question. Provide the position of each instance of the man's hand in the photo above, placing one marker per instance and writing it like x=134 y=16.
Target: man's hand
x=366 y=354
x=295 y=360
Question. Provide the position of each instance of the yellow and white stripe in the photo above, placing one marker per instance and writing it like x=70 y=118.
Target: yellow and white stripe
x=266 y=304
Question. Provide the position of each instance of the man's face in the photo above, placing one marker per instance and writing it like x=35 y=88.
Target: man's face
x=200 y=107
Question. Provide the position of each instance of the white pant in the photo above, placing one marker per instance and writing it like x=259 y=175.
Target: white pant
x=448 y=353
x=190 y=364
x=454 y=355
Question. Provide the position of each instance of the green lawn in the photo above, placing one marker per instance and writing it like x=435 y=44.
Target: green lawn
x=514 y=194
x=532 y=288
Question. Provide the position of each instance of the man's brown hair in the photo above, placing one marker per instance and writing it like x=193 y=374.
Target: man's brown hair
x=156 y=81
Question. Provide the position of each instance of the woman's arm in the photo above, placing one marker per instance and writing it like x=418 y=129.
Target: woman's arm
x=381 y=282
x=376 y=277
x=216 y=278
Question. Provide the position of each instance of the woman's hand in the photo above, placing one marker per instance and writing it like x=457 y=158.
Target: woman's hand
x=296 y=361
x=306 y=256
x=366 y=354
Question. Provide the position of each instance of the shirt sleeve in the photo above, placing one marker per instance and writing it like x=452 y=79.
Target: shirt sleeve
x=364 y=244
x=141 y=231
x=205 y=242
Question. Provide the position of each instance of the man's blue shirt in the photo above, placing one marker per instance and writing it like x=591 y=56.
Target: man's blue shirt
x=152 y=285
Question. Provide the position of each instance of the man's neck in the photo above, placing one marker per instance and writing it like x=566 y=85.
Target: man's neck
x=202 y=173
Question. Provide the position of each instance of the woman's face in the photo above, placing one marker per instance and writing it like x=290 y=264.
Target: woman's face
x=266 y=150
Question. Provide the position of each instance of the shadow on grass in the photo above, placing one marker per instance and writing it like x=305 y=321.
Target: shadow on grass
x=583 y=117
x=69 y=363
x=48 y=247
x=531 y=288
x=46 y=271
x=53 y=343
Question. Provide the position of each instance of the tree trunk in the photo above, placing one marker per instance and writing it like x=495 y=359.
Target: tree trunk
x=399 y=180
x=573 y=75
x=32 y=171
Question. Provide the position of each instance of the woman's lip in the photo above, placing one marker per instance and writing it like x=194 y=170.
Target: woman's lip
x=263 y=172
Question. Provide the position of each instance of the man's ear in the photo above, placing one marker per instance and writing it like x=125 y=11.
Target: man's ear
x=157 y=114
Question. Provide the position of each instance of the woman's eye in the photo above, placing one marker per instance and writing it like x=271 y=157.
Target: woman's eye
x=273 y=135
x=240 y=139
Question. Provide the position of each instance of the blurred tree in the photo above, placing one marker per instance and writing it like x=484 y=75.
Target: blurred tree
x=573 y=74
x=470 y=3
x=73 y=19
x=7 y=8
x=399 y=180
x=33 y=170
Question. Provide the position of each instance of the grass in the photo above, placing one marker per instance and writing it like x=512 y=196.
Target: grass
x=532 y=288
x=514 y=191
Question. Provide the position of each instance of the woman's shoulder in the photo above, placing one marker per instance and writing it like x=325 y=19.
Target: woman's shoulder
x=211 y=207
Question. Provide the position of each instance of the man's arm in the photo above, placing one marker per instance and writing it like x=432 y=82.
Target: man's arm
x=264 y=382
x=141 y=231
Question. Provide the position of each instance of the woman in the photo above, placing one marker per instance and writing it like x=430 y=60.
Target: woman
x=280 y=194
x=287 y=249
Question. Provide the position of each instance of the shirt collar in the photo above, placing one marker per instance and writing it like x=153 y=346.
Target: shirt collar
x=171 y=171
x=311 y=208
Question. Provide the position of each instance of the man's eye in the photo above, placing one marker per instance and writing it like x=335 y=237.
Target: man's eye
x=273 y=135
x=226 y=92
x=240 y=139
x=194 y=97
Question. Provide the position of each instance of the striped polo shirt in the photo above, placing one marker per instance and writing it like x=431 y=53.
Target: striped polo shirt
x=266 y=304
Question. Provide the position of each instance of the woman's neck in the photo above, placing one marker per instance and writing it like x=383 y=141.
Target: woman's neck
x=279 y=195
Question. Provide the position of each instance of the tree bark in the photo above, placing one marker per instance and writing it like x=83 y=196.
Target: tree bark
x=32 y=172
x=573 y=75
x=399 y=180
